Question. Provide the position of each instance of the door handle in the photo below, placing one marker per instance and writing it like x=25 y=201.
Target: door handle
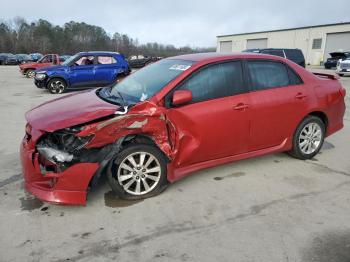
x=300 y=96
x=241 y=107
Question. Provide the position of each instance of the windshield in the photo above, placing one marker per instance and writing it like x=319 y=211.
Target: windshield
x=69 y=60
x=146 y=82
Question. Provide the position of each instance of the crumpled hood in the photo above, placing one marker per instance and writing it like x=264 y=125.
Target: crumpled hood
x=68 y=111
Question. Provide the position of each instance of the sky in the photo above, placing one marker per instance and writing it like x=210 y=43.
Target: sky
x=194 y=23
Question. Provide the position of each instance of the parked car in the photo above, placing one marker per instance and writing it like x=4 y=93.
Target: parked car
x=343 y=67
x=28 y=69
x=3 y=57
x=138 y=61
x=86 y=69
x=10 y=59
x=295 y=55
x=23 y=58
x=174 y=117
x=36 y=56
x=335 y=57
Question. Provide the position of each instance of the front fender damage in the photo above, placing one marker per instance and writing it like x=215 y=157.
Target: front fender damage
x=145 y=118
x=99 y=141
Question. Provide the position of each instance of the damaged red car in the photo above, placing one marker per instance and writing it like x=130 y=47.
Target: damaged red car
x=174 y=117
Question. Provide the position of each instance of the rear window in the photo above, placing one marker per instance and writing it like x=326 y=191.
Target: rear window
x=294 y=54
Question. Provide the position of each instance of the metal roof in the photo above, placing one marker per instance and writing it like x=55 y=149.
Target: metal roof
x=287 y=29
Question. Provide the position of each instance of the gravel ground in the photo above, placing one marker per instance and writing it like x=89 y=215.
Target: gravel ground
x=273 y=208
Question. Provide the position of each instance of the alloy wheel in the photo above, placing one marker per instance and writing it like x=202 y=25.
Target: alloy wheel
x=139 y=173
x=310 y=138
x=57 y=87
x=31 y=74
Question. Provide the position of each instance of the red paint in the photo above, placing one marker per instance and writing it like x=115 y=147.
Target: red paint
x=68 y=111
x=38 y=65
x=68 y=187
x=181 y=97
x=193 y=136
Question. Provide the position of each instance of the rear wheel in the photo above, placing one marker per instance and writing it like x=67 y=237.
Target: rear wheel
x=56 y=86
x=138 y=172
x=308 y=138
x=30 y=73
x=341 y=74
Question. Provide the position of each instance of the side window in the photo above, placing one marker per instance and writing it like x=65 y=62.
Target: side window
x=47 y=59
x=85 y=60
x=294 y=78
x=215 y=81
x=106 y=60
x=267 y=74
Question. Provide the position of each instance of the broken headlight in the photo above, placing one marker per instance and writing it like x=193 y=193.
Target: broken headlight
x=62 y=146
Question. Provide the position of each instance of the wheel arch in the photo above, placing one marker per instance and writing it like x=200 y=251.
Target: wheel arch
x=56 y=77
x=142 y=139
x=29 y=68
x=124 y=142
x=320 y=115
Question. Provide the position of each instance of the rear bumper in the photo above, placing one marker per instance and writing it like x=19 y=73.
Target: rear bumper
x=68 y=187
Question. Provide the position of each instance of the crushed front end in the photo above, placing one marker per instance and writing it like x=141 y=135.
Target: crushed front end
x=60 y=163
x=57 y=167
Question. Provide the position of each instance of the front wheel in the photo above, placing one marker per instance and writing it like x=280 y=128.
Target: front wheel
x=138 y=172
x=56 y=86
x=30 y=73
x=308 y=138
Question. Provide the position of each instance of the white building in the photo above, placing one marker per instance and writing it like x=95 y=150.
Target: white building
x=316 y=42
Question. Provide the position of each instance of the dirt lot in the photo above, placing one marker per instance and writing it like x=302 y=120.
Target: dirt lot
x=272 y=208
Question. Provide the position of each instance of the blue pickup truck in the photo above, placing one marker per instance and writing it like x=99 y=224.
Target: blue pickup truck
x=83 y=70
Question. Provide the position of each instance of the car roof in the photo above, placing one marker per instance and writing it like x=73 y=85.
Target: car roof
x=98 y=53
x=210 y=57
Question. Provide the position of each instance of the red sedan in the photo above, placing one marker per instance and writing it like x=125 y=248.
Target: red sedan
x=174 y=117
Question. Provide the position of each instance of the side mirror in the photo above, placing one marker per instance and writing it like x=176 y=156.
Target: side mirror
x=181 y=97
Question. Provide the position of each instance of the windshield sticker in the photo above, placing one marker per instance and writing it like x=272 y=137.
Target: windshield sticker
x=179 y=67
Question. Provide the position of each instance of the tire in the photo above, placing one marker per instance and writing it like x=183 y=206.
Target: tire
x=130 y=182
x=308 y=138
x=56 y=86
x=340 y=74
x=30 y=73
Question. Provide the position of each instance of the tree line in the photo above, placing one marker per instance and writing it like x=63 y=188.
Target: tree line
x=19 y=36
